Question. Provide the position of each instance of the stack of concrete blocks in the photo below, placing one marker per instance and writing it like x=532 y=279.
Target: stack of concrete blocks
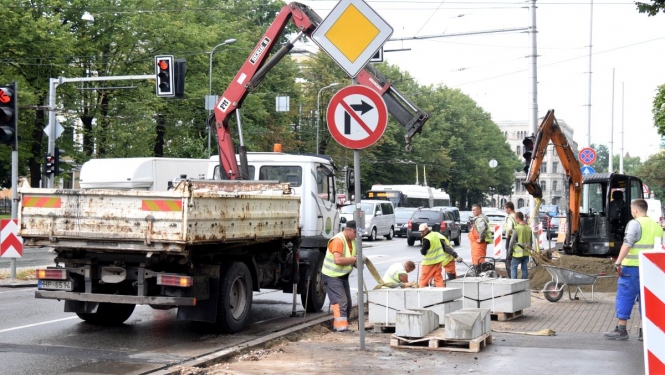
x=468 y=324
x=498 y=295
x=416 y=323
x=385 y=303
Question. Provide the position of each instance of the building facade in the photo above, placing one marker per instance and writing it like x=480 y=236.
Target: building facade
x=552 y=177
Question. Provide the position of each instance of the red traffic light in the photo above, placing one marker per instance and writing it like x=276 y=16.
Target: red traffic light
x=163 y=64
x=5 y=95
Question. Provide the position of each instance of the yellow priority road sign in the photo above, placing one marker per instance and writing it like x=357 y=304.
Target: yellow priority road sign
x=351 y=34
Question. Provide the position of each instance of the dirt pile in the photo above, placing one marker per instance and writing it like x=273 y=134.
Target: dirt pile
x=588 y=265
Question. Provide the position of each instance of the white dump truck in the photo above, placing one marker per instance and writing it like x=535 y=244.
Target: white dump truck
x=202 y=247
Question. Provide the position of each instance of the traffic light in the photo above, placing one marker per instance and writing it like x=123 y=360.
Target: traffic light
x=180 y=71
x=8 y=114
x=49 y=164
x=164 y=76
x=56 y=162
x=529 y=143
x=350 y=183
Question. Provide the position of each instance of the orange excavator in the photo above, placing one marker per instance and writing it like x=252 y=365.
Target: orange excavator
x=599 y=203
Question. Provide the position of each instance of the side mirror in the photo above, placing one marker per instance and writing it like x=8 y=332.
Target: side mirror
x=342 y=220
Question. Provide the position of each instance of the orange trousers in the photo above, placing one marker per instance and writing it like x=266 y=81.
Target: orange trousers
x=432 y=271
x=451 y=270
x=478 y=250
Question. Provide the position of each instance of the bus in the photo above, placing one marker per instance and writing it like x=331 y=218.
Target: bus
x=410 y=195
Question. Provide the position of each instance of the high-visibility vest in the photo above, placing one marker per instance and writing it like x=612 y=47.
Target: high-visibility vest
x=447 y=258
x=392 y=274
x=488 y=232
x=523 y=233
x=511 y=217
x=435 y=252
x=650 y=230
x=335 y=270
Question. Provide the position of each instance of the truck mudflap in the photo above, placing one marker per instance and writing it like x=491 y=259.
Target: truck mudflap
x=115 y=298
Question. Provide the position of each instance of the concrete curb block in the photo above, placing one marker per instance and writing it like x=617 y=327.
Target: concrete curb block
x=214 y=358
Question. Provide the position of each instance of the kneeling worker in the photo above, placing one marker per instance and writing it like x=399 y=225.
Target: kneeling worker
x=397 y=275
x=434 y=254
x=337 y=265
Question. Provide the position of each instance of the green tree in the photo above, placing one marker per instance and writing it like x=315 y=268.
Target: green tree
x=658 y=110
x=651 y=8
x=651 y=173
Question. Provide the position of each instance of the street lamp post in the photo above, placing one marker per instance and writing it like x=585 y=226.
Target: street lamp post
x=228 y=41
x=318 y=105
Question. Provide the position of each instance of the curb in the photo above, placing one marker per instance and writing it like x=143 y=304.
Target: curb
x=214 y=358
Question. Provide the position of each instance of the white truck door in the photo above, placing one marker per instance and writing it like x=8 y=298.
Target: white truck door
x=324 y=195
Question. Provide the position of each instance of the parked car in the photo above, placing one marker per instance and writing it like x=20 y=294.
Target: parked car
x=441 y=221
x=553 y=227
x=497 y=218
x=465 y=220
x=545 y=219
x=402 y=216
x=379 y=218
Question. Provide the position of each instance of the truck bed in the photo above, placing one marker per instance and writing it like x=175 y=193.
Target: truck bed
x=196 y=212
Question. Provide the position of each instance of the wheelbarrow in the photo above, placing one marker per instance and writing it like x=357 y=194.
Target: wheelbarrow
x=562 y=277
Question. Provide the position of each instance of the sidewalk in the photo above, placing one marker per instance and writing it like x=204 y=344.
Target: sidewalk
x=577 y=348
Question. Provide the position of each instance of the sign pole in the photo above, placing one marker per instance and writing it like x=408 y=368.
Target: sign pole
x=359 y=247
x=14 y=211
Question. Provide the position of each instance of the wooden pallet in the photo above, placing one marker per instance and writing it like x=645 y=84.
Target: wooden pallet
x=505 y=316
x=436 y=341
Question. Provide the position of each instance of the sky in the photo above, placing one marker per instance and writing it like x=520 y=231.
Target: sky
x=628 y=48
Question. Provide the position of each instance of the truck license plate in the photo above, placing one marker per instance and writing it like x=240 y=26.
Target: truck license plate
x=55 y=285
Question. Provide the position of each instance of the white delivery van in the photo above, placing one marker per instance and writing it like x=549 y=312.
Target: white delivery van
x=152 y=174
x=379 y=218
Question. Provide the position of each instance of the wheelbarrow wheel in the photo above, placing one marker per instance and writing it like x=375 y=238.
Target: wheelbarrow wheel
x=552 y=292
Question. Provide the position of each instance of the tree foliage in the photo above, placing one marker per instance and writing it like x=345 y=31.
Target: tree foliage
x=651 y=173
x=602 y=164
x=658 y=110
x=652 y=8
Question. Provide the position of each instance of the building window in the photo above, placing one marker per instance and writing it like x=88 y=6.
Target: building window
x=520 y=203
x=519 y=150
x=555 y=186
x=543 y=168
x=555 y=167
x=517 y=185
x=543 y=187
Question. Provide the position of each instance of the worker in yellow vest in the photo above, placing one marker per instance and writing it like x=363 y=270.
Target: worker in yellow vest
x=433 y=256
x=641 y=234
x=337 y=265
x=521 y=238
x=397 y=275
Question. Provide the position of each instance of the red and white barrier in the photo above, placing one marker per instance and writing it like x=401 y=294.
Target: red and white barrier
x=498 y=248
x=652 y=298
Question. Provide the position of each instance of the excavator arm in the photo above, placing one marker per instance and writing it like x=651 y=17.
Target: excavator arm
x=258 y=65
x=549 y=130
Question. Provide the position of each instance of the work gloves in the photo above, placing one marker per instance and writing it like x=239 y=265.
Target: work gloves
x=617 y=269
x=459 y=259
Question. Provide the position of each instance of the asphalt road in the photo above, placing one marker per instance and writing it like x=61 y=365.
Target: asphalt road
x=37 y=337
x=32 y=257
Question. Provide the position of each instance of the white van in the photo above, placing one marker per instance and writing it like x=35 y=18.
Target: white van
x=655 y=211
x=379 y=218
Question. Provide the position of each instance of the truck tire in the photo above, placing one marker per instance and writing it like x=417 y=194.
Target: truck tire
x=410 y=241
x=109 y=314
x=457 y=240
x=391 y=234
x=317 y=291
x=235 y=297
x=551 y=293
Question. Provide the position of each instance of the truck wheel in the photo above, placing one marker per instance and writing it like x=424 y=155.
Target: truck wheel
x=235 y=297
x=391 y=234
x=410 y=241
x=551 y=291
x=317 y=292
x=457 y=240
x=109 y=314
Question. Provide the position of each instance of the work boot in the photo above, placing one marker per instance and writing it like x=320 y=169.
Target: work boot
x=639 y=335
x=617 y=334
x=341 y=329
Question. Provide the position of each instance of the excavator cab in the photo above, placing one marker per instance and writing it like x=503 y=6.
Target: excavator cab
x=605 y=212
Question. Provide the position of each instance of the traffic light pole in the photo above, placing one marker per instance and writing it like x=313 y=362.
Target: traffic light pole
x=14 y=178
x=53 y=84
